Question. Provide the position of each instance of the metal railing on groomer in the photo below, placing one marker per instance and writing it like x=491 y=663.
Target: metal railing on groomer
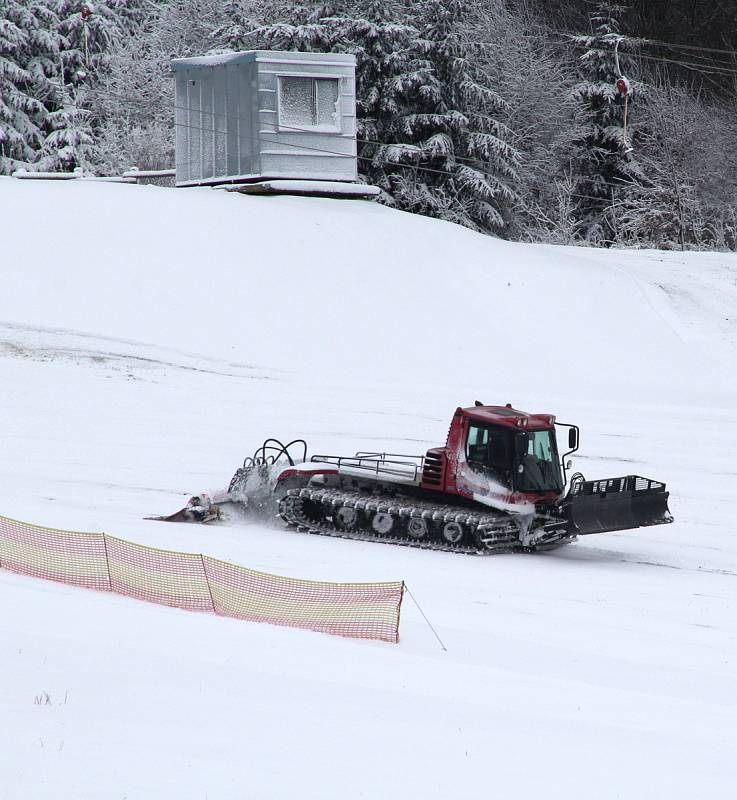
x=396 y=465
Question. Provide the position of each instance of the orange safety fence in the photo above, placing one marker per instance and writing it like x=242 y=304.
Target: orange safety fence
x=200 y=583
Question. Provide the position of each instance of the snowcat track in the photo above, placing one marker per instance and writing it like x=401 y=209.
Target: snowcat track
x=491 y=533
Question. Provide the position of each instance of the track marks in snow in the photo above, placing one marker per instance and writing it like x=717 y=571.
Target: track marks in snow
x=137 y=360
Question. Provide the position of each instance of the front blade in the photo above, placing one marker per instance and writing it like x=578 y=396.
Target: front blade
x=199 y=508
x=616 y=504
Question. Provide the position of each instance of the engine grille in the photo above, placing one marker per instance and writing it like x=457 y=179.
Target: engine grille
x=434 y=469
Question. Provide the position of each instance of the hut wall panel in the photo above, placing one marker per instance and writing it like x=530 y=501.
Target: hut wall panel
x=220 y=125
x=233 y=119
x=194 y=125
x=181 y=129
x=247 y=161
x=207 y=121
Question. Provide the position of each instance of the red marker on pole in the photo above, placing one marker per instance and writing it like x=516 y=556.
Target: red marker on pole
x=86 y=12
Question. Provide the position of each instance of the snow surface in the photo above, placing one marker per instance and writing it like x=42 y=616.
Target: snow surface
x=151 y=338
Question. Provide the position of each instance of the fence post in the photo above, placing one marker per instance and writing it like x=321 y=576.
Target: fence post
x=207 y=581
x=399 y=612
x=107 y=561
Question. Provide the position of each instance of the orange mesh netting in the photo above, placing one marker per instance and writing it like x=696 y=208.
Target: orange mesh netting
x=158 y=576
x=365 y=610
x=76 y=558
x=200 y=583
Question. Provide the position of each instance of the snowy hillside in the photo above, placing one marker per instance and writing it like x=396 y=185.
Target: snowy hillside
x=152 y=338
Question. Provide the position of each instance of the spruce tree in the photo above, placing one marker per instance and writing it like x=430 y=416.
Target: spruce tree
x=601 y=162
x=465 y=165
x=304 y=27
x=81 y=44
x=87 y=41
x=69 y=142
x=50 y=60
x=383 y=41
x=27 y=53
x=237 y=31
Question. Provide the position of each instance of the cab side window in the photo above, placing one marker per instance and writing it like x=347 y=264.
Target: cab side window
x=489 y=451
x=478 y=443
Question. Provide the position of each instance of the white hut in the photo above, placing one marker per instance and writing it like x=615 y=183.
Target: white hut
x=259 y=115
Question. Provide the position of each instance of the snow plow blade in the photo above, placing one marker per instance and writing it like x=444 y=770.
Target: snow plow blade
x=616 y=504
x=199 y=508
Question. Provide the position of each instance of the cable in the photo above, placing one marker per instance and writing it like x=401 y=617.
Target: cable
x=409 y=166
x=640 y=41
x=657 y=42
x=414 y=167
x=706 y=70
x=387 y=162
x=367 y=159
x=237 y=118
x=430 y=625
x=321 y=150
x=717 y=69
x=703 y=67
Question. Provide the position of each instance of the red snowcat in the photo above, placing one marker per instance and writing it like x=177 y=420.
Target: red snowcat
x=498 y=484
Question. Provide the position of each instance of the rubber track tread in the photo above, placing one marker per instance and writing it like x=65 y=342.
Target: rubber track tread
x=498 y=540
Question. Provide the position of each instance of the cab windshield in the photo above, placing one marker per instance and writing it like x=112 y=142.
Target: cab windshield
x=536 y=463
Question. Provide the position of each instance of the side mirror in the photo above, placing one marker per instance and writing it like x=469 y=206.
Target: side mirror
x=572 y=438
x=569 y=464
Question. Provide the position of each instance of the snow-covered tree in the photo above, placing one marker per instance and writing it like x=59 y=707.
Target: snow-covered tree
x=186 y=27
x=49 y=57
x=465 y=163
x=134 y=99
x=382 y=40
x=84 y=33
x=134 y=108
x=88 y=36
x=688 y=199
x=511 y=47
x=303 y=27
x=28 y=52
x=69 y=143
x=241 y=18
x=600 y=158
x=132 y=16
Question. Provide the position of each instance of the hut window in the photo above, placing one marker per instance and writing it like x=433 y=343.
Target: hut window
x=309 y=103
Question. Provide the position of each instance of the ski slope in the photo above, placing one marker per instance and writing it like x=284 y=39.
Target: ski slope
x=151 y=338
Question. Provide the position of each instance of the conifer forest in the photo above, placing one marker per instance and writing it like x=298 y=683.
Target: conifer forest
x=559 y=121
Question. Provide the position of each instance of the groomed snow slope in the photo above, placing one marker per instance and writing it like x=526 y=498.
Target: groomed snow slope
x=151 y=338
